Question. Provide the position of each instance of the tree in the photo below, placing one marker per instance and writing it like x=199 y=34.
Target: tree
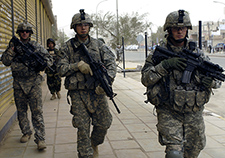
x=130 y=26
x=158 y=36
x=62 y=38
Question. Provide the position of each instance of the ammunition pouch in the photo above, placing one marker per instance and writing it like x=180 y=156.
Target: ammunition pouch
x=157 y=94
x=188 y=100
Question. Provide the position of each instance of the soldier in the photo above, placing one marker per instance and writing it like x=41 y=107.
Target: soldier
x=89 y=103
x=53 y=78
x=179 y=106
x=27 y=85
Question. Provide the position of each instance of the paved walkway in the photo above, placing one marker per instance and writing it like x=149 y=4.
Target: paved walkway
x=133 y=133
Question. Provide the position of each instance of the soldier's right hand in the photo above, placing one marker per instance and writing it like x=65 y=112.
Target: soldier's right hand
x=84 y=68
x=175 y=63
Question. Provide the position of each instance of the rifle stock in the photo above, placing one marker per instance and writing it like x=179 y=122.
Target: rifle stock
x=100 y=74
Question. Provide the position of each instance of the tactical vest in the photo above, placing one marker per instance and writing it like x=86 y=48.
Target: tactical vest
x=171 y=92
x=79 y=80
x=22 y=71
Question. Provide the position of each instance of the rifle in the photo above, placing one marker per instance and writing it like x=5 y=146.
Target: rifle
x=100 y=74
x=194 y=62
x=25 y=54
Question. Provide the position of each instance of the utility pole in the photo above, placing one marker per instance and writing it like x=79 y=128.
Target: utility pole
x=117 y=25
x=97 y=18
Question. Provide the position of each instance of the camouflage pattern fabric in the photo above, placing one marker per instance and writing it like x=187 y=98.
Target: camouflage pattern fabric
x=179 y=106
x=53 y=78
x=54 y=83
x=33 y=99
x=76 y=19
x=27 y=90
x=181 y=131
x=87 y=107
x=172 y=21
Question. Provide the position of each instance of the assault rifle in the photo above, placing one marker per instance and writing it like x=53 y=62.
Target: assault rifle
x=100 y=74
x=194 y=62
x=25 y=54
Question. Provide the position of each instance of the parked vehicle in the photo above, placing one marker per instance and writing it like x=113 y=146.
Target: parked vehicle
x=132 y=47
x=219 y=47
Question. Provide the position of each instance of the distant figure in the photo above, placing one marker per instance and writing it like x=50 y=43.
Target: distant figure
x=210 y=49
x=119 y=52
x=53 y=78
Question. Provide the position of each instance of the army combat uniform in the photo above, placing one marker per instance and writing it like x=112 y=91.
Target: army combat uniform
x=86 y=104
x=179 y=105
x=53 y=78
x=89 y=102
x=27 y=89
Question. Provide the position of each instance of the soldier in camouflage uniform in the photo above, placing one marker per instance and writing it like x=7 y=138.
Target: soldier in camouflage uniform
x=179 y=106
x=53 y=78
x=27 y=86
x=89 y=103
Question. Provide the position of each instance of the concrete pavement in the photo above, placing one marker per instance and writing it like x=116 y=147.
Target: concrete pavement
x=133 y=133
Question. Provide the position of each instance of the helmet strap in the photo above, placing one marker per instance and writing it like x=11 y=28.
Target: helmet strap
x=170 y=36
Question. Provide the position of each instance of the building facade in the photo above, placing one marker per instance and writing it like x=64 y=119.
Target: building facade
x=12 y=12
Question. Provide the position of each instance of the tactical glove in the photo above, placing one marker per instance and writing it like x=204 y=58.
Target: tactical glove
x=99 y=90
x=207 y=81
x=175 y=63
x=84 y=68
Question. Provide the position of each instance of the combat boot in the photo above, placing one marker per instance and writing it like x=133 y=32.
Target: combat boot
x=58 y=95
x=53 y=96
x=41 y=145
x=25 y=138
x=95 y=151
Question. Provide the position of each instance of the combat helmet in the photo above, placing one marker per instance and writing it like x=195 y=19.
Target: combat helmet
x=50 y=40
x=178 y=18
x=24 y=26
x=81 y=17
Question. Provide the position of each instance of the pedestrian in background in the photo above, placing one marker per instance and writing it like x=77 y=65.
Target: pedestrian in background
x=27 y=85
x=89 y=102
x=53 y=78
x=179 y=105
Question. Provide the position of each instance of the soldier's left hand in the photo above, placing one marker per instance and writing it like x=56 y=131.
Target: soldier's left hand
x=84 y=68
x=207 y=81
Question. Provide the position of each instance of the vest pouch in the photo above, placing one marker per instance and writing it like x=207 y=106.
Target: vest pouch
x=179 y=99
x=202 y=97
x=190 y=100
x=81 y=80
x=71 y=83
x=152 y=94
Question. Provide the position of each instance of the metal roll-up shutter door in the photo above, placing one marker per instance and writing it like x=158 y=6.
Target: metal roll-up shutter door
x=6 y=91
x=19 y=12
x=31 y=18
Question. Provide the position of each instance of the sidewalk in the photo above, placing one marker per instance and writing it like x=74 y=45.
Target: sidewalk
x=133 y=133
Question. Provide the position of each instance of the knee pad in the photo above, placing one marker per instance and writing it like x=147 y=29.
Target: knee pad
x=174 y=154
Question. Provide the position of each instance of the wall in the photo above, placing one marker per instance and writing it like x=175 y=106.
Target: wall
x=12 y=12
